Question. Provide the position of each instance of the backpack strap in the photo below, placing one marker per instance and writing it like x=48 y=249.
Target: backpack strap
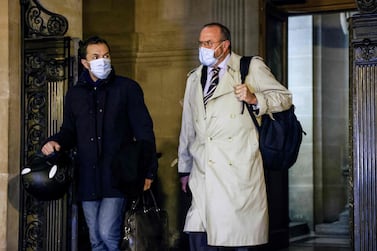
x=252 y=115
x=244 y=70
x=244 y=67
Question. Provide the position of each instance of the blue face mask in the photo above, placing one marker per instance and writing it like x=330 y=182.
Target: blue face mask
x=101 y=67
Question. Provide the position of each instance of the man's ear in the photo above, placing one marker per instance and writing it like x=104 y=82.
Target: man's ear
x=226 y=44
x=85 y=63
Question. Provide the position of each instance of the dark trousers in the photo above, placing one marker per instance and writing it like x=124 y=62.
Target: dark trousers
x=198 y=242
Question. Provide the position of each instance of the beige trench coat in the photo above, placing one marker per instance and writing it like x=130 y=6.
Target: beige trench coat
x=219 y=148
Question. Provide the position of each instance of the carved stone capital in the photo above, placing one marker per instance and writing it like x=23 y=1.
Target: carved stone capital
x=367 y=6
x=365 y=52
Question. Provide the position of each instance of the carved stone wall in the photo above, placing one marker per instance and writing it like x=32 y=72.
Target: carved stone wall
x=9 y=123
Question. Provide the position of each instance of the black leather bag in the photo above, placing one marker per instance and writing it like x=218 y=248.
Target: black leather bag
x=130 y=166
x=145 y=225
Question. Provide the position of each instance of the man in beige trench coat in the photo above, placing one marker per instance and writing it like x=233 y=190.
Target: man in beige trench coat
x=219 y=158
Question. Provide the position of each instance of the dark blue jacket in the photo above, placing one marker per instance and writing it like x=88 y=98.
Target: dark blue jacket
x=98 y=118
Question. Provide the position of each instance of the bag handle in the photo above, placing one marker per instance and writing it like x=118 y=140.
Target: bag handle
x=155 y=207
x=142 y=198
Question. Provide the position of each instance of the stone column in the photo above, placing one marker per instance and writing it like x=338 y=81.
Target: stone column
x=363 y=174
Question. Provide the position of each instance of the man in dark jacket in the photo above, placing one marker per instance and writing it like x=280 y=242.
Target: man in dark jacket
x=102 y=112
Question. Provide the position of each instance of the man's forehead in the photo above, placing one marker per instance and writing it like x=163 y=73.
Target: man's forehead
x=210 y=32
x=97 y=48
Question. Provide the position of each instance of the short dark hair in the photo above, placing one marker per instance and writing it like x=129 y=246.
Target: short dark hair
x=225 y=32
x=89 y=41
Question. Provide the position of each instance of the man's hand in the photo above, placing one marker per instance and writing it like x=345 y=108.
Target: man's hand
x=50 y=147
x=147 y=184
x=243 y=93
x=184 y=181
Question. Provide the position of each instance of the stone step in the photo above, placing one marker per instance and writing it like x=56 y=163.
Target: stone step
x=344 y=216
x=298 y=229
x=335 y=228
x=340 y=227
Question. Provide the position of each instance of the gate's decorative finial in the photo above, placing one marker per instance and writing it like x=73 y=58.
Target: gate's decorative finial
x=39 y=22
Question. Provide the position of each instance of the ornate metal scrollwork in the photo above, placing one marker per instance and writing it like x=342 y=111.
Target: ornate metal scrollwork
x=46 y=75
x=35 y=81
x=40 y=22
x=46 y=64
x=367 y=6
x=38 y=71
x=33 y=228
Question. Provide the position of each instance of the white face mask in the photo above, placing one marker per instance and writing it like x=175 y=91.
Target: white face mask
x=207 y=56
x=101 y=67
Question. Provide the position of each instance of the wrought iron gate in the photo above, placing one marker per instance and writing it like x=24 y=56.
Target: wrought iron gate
x=47 y=74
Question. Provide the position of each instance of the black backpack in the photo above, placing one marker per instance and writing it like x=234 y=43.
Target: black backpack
x=279 y=138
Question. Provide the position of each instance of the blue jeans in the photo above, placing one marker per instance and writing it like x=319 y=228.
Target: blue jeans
x=105 y=221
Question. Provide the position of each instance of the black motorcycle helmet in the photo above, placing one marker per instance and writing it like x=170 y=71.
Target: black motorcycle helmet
x=47 y=177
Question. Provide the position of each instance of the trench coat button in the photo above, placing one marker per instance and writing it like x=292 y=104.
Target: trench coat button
x=232 y=116
x=230 y=139
x=99 y=138
x=210 y=138
x=230 y=164
x=91 y=139
x=100 y=110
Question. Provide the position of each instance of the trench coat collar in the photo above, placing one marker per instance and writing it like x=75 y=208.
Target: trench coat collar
x=230 y=77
